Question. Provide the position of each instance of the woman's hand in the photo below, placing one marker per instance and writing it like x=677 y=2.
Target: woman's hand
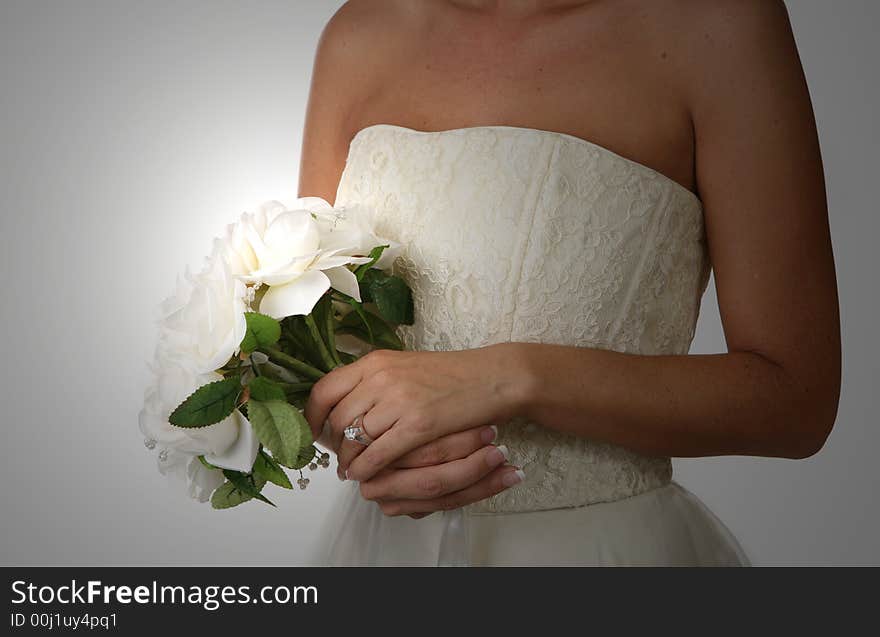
x=409 y=399
x=451 y=485
x=447 y=473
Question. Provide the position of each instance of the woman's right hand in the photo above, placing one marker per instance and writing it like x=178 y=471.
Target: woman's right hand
x=447 y=448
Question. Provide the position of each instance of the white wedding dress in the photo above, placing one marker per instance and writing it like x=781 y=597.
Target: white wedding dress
x=526 y=235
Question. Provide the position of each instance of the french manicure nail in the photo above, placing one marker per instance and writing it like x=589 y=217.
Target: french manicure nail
x=489 y=434
x=513 y=477
x=497 y=456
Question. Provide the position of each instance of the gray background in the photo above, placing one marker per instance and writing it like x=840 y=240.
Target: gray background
x=131 y=132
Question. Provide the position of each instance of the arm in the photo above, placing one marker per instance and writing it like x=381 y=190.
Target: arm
x=759 y=173
x=775 y=392
x=337 y=86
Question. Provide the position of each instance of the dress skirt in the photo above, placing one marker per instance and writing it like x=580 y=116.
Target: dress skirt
x=666 y=526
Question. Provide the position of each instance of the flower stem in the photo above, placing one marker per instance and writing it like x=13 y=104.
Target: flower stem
x=331 y=333
x=291 y=363
x=296 y=387
x=323 y=352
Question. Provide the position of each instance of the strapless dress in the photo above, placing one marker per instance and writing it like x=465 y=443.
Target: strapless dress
x=523 y=235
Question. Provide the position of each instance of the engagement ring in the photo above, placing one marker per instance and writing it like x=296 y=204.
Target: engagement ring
x=356 y=432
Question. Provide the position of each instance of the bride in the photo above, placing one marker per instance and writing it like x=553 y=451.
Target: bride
x=562 y=177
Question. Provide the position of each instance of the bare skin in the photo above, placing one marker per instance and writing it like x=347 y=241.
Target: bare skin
x=710 y=94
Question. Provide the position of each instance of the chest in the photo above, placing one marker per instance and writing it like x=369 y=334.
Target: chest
x=603 y=81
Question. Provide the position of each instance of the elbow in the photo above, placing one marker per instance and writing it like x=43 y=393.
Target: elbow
x=805 y=408
x=805 y=444
x=808 y=433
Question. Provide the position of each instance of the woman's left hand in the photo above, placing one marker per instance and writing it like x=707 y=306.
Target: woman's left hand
x=408 y=399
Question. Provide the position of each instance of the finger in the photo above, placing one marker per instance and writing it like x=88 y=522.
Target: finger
x=383 y=413
x=357 y=402
x=497 y=481
x=432 y=482
x=348 y=451
x=324 y=395
x=402 y=438
x=451 y=447
x=329 y=390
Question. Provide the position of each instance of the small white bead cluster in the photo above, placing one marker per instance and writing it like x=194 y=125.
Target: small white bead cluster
x=321 y=460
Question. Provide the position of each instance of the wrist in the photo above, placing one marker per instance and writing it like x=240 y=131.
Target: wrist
x=515 y=379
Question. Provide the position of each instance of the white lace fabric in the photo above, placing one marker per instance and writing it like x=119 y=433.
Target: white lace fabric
x=523 y=235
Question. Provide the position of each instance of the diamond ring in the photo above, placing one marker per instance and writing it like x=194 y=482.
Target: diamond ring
x=356 y=432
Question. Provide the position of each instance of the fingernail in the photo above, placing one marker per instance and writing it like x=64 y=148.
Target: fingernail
x=347 y=476
x=513 y=477
x=489 y=434
x=497 y=456
x=341 y=477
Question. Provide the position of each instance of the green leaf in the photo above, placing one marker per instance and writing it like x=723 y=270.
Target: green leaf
x=297 y=331
x=267 y=468
x=248 y=484
x=281 y=428
x=306 y=455
x=264 y=389
x=227 y=496
x=208 y=404
x=367 y=282
x=298 y=398
x=383 y=334
x=262 y=331
x=232 y=493
x=392 y=297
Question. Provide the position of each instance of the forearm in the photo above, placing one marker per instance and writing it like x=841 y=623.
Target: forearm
x=692 y=405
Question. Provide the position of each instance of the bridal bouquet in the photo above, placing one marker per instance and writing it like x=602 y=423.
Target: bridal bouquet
x=287 y=295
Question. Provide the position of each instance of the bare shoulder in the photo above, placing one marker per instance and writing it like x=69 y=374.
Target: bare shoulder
x=366 y=26
x=727 y=40
x=736 y=18
x=738 y=27
x=360 y=43
x=348 y=33
x=355 y=51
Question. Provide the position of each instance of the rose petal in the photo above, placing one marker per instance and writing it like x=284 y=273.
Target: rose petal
x=296 y=297
x=292 y=234
x=345 y=281
x=202 y=480
x=325 y=262
x=241 y=454
x=283 y=273
x=312 y=204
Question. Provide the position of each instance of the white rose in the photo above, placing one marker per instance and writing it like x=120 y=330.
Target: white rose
x=203 y=322
x=296 y=253
x=349 y=230
x=229 y=444
x=171 y=387
x=200 y=481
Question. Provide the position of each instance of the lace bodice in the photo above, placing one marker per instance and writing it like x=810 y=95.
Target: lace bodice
x=519 y=234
